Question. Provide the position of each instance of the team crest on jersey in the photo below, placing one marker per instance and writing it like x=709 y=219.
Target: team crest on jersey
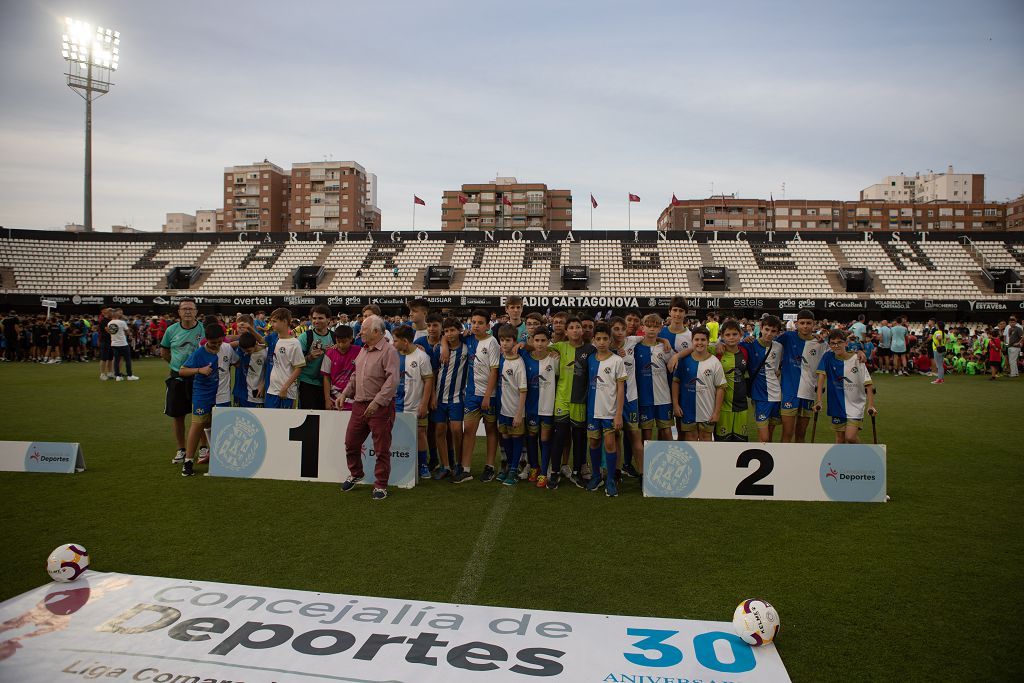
x=607 y=371
x=854 y=370
x=414 y=364
x=508 y=372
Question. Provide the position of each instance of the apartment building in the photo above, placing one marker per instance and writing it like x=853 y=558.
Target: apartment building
x=256 y=198
x=333 y=196
x=729 y=213
x=179 y=222
x=929 y=187
x=506 y=204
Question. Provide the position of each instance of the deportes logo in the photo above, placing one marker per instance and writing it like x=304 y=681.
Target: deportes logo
x=50 y=457
x=240 y=446
x=853 y=473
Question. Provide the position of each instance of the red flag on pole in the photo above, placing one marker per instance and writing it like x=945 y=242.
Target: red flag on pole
x=593 y=202
x=675 y=202
x=463 y=198
x=633 y=197
x=417 y=200
x=505 y=200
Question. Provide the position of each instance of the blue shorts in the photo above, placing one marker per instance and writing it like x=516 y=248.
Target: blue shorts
x=275 y=401
x=226 y=404
x=447 y=412
x=245 y=403
x=630 y=415
x=505 y=427
x=203 y=412
x=535 y=422
x=597 y=427
x=767 y=412
x=475 y=412
x=656 y=416
x=801 y=407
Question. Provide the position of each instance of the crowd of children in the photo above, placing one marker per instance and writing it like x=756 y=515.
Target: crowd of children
x=561 y=398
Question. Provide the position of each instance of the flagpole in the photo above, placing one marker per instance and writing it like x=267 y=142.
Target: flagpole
x=414 y=214
x=629 y=213
x=591 y=212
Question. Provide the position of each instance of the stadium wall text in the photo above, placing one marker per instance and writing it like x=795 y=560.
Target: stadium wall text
x=829 y=308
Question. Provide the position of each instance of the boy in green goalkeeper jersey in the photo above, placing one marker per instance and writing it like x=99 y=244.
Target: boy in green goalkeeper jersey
x=570 y=418
x=732 y=422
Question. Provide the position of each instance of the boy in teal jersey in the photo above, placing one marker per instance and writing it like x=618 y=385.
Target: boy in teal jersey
x=314 y=343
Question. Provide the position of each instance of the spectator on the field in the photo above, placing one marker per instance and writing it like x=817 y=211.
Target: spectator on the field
x=372 y=389
x=11 y=329
x=1014 y=337
x=177 y=344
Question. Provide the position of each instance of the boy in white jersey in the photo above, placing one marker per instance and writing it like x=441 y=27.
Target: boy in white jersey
x=850 y=391
x=765 y=363
x=698 y=388
x=607 y=375
x=653 y=392
x=415 y=388
x=254 y=375
x=481 y=385
x=226 y=358
x=512 y=412
x=449 y=413
x=632 y=441
x=288 y=362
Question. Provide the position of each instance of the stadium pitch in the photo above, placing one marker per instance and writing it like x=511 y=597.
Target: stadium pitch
x=915 y=589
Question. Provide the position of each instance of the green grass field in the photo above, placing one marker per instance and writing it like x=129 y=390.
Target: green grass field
x=916 y=589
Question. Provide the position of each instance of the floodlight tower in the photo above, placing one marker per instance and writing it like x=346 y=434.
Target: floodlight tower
x=91 y=56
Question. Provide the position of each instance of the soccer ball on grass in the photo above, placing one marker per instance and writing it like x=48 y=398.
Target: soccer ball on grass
x=756 y=621
x=67 y=562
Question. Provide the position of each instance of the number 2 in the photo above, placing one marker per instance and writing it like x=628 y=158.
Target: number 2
x=749 y=487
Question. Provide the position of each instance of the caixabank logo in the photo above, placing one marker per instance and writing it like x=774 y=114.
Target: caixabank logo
x=853 y=473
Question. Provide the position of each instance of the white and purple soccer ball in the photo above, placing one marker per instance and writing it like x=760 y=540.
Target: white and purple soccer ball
x=756 y=621
x=67 y=562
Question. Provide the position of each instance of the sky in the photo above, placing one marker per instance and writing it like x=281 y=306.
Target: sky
x=608 y=98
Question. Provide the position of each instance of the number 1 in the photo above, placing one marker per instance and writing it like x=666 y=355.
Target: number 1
x=308 y=434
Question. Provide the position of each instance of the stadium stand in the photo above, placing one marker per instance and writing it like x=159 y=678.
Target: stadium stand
x=648 y=265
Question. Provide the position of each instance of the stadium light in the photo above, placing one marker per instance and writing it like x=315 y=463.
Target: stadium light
x=91 y=57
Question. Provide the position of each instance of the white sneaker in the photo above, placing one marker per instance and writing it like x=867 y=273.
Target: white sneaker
x=120 y=378
x=132 y=378
x=104 y=377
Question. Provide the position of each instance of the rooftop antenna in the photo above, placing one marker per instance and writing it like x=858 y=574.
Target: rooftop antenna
x=783 y=189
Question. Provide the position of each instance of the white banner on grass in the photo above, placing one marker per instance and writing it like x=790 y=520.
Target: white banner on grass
x=41 y=456
x=764 y=471
x=260 y=443
x=141 y=628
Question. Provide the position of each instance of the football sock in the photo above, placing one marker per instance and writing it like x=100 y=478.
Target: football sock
x=579 y=447
x=558 y=441
x=545 y=456
x=595 y=462
x=531 y=449
x=423 y=457
x=516 y=446
x=610 y=460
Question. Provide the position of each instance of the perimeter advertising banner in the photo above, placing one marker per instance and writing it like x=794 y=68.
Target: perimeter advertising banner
x=852 y=473
x=140 y=628
x=309 y=445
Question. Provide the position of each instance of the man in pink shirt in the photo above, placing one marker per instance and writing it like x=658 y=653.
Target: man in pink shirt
x=372 y=389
